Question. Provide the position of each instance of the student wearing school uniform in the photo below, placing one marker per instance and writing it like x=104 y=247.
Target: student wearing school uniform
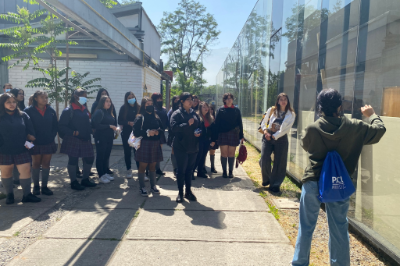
x=7 y=87
x=214 y=145
x=229 y=128
x=162 y=114
x=184 y=123
x=76 y=130
x=15 y=129
x=45 y=123
x=276 y=125
x=175 y=103
x=196 y=101
x=105 y=125
x=148 y=126
x=20 y=96
x=126 y=118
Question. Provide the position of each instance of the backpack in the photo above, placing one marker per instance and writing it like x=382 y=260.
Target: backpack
x=270 y=114
x=334 y=183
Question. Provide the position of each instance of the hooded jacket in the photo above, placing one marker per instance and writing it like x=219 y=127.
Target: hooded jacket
x=346 y=136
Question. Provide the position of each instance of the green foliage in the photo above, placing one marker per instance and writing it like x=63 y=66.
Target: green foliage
x=27 y=42
x=126 y=2
x=187 y=33
x=109 y=3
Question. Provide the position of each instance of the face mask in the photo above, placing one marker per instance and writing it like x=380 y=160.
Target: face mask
x=150 y=109
x=159 y=105
x=132 y=101
x=82 y=100
x=8 y=90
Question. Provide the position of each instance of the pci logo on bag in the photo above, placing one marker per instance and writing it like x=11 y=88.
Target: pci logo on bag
x=337 y=183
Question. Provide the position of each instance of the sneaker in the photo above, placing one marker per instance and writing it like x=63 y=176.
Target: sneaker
x=36 y=191
x=179 y=199
x=92 y=173
x=109 y=172
x=155 y=190
x=129 y=174
x=159 y=172
x=76 y=186
x=31 y=198
x=146 y=179
x=103 y=179
x=190 y=196
x=143 y=192
x=10 y=199
x=111 y=178
x=87 y=183
x=46 y=191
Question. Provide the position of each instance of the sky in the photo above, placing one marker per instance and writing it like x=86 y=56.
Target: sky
x=230 y=16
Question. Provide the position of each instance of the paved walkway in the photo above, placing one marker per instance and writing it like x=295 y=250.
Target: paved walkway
x=113 y=225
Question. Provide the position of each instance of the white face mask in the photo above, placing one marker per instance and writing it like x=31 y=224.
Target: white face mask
x=82 y=100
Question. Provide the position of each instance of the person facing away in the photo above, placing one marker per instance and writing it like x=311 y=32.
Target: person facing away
x=331 y=132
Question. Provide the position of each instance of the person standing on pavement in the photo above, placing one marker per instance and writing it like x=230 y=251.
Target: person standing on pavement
x=276 y=125
x=196 y=101
x=331 y=132
x=229 y=128
x=148 y=126
x=15 y=129
x=75 y=129
x=214 y=145
x=184 y=123
x=45 y=123
x=162 y=114
x=175 y=103
x=127 y=114
x=206 y=125
x=105 y=125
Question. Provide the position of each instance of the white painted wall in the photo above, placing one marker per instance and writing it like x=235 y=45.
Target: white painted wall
x=130 y=21
x=151 y=41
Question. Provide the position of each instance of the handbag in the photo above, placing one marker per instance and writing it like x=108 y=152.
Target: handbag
x=135 y=141
x=242 y=155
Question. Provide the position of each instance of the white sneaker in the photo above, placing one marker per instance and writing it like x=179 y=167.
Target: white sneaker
x=103 y=179
x=129 y=174
x=111 y=178
x=146 y=178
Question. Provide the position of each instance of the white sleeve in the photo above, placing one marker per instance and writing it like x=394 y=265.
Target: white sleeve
x=286 y=125
x=265 y=120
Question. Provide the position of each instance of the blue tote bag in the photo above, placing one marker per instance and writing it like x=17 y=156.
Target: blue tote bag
x=334 y=182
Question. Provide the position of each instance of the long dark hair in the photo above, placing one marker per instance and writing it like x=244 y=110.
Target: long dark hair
x=35 y=95
x=98 y=97
x=126 y=104
x=278 y=106
x=173 y=105
x=3 y=100
x=143 y=106
x=20 y=104
x=101 y=105
x=208 y=115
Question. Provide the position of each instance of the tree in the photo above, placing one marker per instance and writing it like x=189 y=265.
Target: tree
x=126 y=2
x=187 y=34
x=109 y=3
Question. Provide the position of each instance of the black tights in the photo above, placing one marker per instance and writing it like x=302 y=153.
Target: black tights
x=74 y=160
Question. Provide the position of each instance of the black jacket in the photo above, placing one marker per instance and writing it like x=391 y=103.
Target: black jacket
x=123 y=121
x=13 y=132
x=94 y=106
x=184 y=139
x=162 y=114
x=101 y=121
x=150 y=123
x=226 y=120
x=46 y=126
x=80 y=122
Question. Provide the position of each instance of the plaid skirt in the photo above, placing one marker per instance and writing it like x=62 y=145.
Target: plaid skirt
x=163 y=139
x=230 y=138
x=17 y=159
x=75 y=147
x=44 y=149
x=149 y=152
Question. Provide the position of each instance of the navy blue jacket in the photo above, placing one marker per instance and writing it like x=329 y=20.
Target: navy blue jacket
x=184 y=139
x=123 y=120
x=13 y=132
x=162 y=114
x=80 y=122
x=226 y=120
x=46 y=126
x=94 y=107
x=101 y=121
x=150 y=123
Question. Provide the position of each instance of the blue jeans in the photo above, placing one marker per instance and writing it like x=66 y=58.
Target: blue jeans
x=339 y=244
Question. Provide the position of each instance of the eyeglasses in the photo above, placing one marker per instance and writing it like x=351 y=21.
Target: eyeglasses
x=189 y=99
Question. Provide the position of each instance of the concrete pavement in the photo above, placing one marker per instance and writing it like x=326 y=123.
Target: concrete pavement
x=113 y=225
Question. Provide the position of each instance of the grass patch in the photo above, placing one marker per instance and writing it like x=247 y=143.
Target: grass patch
x=17 y=233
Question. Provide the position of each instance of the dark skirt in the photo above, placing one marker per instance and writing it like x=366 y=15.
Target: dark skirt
x=149 y=152
x=230 y=138
x=17 y=159
x=215 y=147
x=75 y=147
x=163 y=139
x=44 y=149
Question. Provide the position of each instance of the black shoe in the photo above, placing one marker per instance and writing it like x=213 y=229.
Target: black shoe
x=76 y=186
x=31 y=198
x=46 y=191
x=213 y=170
x=92 y=173
x=264 y=184
x=275 y=191
x=203 y=175
x=179 y=199
x=16 y=182
x=193 y=178
x=36 y=190
x=159 y=172
x=78 y=175
x=225 y=175
x=87 y=183
x=190 y=196
x=110 y=172
x=175 y=172
x=231 y=175
x=10 y=199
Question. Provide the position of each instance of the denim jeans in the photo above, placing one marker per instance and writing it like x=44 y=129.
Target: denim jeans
x=339 y=244
x=186 y=162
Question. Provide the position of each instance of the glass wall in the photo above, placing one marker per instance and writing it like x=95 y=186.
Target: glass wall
x=303 y=46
